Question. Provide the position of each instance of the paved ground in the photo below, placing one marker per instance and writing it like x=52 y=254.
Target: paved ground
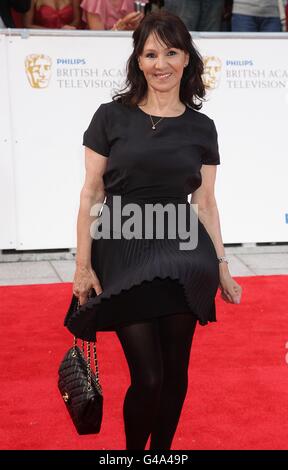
x=42 y=268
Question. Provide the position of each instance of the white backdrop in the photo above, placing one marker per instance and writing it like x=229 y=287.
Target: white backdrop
x=44 y=165
x=7 y=184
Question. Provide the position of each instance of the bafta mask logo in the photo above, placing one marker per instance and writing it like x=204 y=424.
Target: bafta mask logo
x=38 y=70
x=212 y=72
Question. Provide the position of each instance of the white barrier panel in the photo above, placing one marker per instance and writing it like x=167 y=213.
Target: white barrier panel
x=57 y=83
x=250 y=108
x=7 y=185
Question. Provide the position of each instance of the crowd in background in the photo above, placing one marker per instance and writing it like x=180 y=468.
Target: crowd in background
x=119 y=15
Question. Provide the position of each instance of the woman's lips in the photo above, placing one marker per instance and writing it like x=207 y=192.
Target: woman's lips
x=162 y=76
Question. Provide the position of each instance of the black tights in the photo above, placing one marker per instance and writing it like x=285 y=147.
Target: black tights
x=157 y=352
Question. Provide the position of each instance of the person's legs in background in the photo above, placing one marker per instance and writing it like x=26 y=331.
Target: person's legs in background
x=211 y=15
x=188 y=10
x=198 y=15
x=247 y=23
x=227 y=16
x=244 y=23
x=174 y=6
x=269 y=25
x=176 y=334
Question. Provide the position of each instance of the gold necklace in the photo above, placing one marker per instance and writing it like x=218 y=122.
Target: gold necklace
x=154 y=124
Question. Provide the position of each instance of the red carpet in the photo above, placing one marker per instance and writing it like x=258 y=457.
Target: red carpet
x=238 y=390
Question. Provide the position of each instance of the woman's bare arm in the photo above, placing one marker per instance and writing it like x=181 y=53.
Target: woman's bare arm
x=28 y=18
x=76 y=13
x=94 y=21
x=92 y=193
x=208 y=214
x=129 y=21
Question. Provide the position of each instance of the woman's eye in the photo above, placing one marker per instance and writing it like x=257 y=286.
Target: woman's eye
x=151 y=55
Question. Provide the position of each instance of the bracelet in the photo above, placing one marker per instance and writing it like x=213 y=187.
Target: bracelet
x=223 y=259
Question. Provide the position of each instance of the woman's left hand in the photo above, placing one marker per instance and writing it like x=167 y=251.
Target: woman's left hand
x=231 y=291
x=132 y=20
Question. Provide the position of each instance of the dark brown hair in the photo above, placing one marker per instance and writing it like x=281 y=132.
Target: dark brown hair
x=170 y=30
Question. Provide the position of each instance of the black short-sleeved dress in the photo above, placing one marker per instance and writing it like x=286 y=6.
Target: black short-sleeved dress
x=146 y=277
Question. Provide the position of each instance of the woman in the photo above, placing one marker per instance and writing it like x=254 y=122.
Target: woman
x=54 y=14
x=118 y=15
x=149 y=290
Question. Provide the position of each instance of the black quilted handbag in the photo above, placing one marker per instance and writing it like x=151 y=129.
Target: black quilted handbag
x=80 y=388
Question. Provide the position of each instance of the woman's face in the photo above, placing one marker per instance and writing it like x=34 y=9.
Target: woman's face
x=162 y=66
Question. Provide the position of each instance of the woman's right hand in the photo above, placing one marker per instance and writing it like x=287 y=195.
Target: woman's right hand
x=85 y=279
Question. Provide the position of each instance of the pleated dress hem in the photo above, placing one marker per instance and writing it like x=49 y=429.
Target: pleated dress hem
x=97 y=315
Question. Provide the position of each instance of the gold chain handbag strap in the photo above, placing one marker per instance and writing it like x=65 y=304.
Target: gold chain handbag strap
x=88 y=361
x=98 y=385
x=89 y=385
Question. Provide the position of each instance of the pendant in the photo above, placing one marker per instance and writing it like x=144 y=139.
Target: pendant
x=153 y=127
